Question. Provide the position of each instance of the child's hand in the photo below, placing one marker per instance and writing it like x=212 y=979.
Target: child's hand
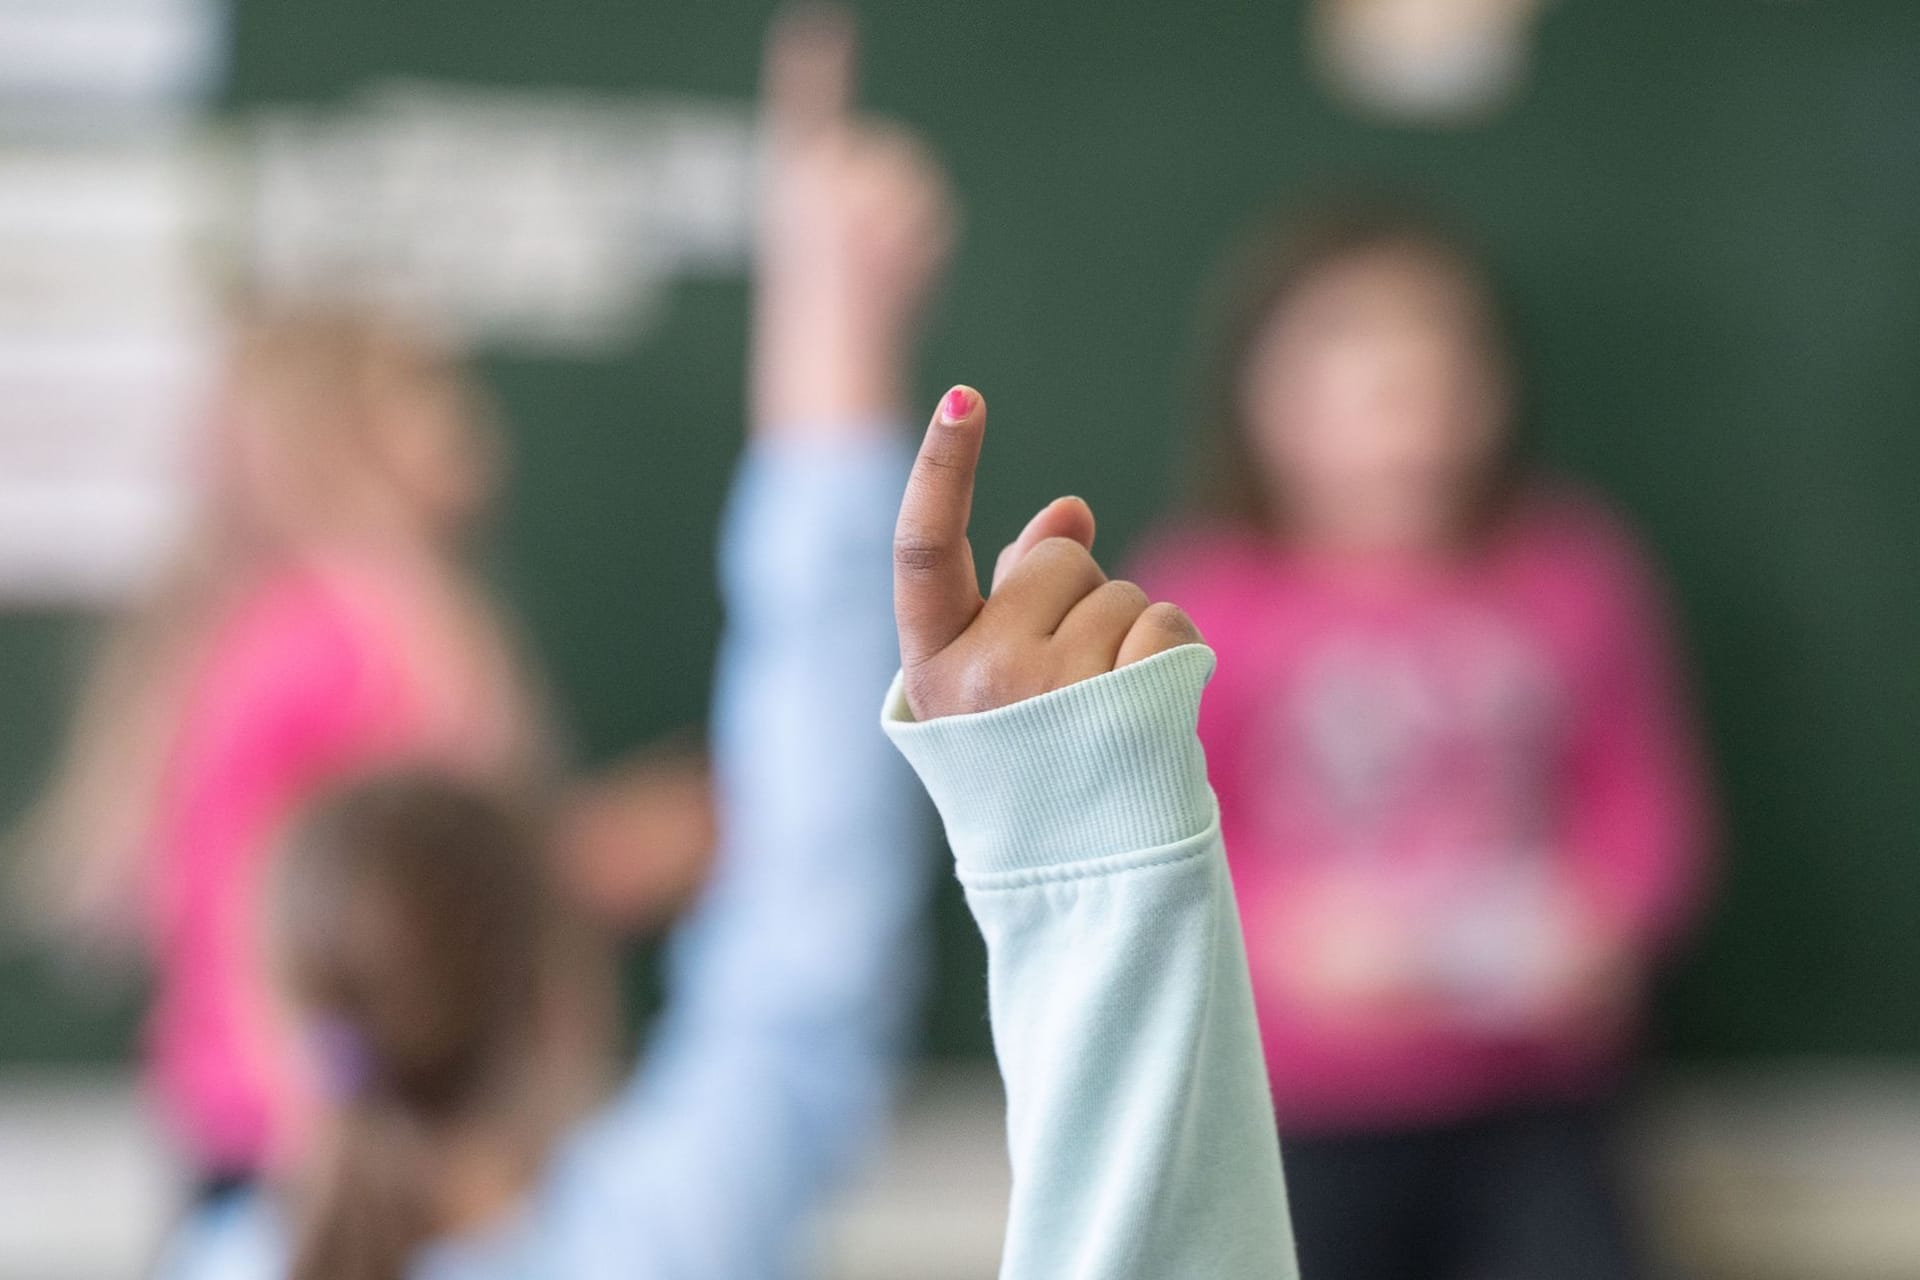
x=855 y=224
x=1054 y=618
x=636 y=842
x=1345 y=956
x=1587 y=980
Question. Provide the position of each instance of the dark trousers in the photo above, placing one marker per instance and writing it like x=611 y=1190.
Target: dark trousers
x=1527 y=1194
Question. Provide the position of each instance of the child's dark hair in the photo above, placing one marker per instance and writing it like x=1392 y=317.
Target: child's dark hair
x=1266 y=271
x=448 y=993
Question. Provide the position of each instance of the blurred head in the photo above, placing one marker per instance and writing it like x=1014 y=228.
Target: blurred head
x=455 y=1007
x=335 y=418
x=332 y=424
x=1363 y=389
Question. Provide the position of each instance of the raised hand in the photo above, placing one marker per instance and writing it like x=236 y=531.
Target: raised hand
x=855 y=224
x=1054 y=618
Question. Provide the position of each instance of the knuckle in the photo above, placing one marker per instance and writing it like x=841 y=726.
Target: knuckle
x=916 y=553
x=1128 y=595
x=1169 y=619
x=1063 y=556
x=981 y=685
x=944 y=452
x=1061 y=549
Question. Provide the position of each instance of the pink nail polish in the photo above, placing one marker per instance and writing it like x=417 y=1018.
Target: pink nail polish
x=957 y=405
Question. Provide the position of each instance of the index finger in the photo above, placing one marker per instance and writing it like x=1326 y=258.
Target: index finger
x=808 y=77
x=936 y=592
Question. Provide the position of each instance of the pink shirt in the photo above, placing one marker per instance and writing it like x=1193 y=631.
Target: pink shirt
x=302 y=684
x=1435 y=750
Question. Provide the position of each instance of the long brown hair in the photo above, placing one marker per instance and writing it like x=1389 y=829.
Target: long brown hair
x=1266 y=270
x=457 y=1008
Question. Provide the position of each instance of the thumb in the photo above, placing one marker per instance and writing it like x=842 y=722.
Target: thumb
x=1069 y=518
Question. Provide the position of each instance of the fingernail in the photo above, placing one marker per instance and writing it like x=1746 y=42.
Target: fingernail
x=957 y=405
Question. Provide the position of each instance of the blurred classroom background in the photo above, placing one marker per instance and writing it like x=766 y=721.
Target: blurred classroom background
x=1709 y=212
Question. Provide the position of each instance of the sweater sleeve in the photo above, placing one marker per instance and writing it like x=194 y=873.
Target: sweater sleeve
x=1140 y=1126
x=791 y=987
x=1636 y=817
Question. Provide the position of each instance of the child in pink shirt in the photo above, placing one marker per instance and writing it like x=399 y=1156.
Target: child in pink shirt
x=319 y=623
x=1457 y=780
x=325 y=623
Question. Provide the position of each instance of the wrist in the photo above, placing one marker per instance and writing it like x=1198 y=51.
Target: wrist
x=837 y=387
x=827 y=351
x=1105 y=766
x=827 y=407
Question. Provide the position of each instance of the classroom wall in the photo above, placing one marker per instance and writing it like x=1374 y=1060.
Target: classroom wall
x=1710 y=213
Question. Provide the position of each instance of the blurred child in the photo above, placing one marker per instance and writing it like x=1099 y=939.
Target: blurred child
x=459 y=1005
x=441 y=975
x=324 y=620
x=1456 y=773
x=320 y=620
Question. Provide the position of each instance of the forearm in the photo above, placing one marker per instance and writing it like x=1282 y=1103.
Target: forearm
x=819 y=877
x=791 y=984
x=1140 y=1127
x=819 y=360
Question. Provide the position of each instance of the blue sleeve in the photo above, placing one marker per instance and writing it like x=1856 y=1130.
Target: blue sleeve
x=792 y=986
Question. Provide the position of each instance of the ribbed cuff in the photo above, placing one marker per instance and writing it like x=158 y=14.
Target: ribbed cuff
x=1107 y=766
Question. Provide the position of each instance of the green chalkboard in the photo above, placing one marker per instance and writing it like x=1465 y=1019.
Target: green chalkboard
x=1710 y=212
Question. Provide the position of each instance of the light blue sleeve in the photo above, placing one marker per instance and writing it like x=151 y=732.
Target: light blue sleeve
x=792 y=986
x=1138 y=1117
